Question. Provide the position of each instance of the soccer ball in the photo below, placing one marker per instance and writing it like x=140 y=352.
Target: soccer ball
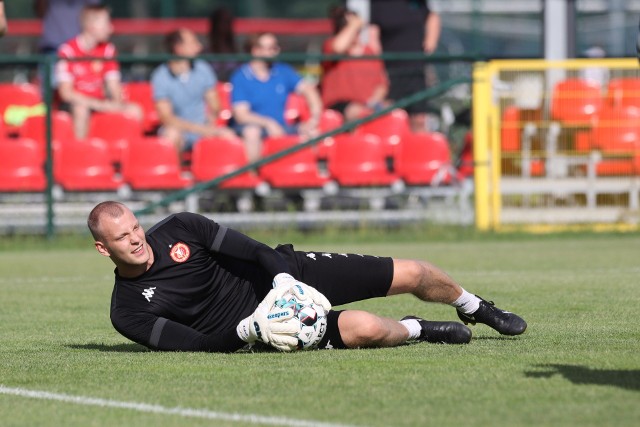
x=312 y=318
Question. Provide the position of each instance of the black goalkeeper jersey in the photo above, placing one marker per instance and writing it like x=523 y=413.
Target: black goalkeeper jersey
x=204 y=280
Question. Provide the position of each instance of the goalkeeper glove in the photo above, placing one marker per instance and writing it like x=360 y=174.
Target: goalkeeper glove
x=284 y=282
x=273 y=328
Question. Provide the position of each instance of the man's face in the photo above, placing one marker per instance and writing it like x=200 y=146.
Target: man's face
x=267 y=46
x=123 y=240
x=190 y=46
x=99 y=25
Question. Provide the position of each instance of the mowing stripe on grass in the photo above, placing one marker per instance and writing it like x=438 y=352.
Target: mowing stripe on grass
x=158 y=409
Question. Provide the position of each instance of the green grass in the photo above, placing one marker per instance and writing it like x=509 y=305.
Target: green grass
x=577 y=364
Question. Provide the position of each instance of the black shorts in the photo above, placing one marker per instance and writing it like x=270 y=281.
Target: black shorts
x=343 y=278
x=407 y=81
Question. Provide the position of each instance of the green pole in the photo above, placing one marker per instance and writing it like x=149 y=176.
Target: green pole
x=48 y=99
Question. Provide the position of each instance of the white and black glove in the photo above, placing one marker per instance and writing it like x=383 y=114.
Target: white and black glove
x=284 y=282
x=270 y=327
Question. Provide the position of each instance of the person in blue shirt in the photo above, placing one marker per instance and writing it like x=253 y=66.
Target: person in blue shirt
x=184 y=91
x=261 y=88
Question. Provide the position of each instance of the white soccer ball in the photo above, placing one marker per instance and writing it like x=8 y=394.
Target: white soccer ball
x=312 y=318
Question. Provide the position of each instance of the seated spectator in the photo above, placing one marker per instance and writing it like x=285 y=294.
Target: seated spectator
x=259 y=96
x=222 y=41
x=81 y=84
x=3 y=19
x=352 y=87
x=184 y=93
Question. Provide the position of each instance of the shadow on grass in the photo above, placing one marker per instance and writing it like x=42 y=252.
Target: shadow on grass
x=116 y=348
x=583 y=375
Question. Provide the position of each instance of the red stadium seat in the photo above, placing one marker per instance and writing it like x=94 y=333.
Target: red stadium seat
x=21 y=166
x=26 y=95
x=330 y=120
x=624 y=91
x=425 y=159
x=510 y=132
x=296 y=109
x=214 y=157
x=142 y=94
x=85 y=166
x=616 y=131
x=297 y=170
x=575 y=101
x=359 y=160
x=152 y=163
x=223 y=90
x=117 y=130
x=390 y=128
x=35 y=128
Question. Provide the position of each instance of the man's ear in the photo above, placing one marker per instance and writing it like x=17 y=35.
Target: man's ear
x=102 y=248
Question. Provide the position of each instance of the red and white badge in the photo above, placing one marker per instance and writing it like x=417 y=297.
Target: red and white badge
x=180 y=252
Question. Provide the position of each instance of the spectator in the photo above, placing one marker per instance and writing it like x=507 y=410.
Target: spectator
x=3 y=19
x=260 y=91
x=407 y=26
x=81 y=84
x=60 y=21
x=351 y=86
x=184 y=93
x=222 y=41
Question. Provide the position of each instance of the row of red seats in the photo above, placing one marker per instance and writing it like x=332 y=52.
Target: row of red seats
x=150 y=163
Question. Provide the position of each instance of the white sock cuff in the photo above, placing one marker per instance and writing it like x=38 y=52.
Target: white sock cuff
x=467 y=302
x=413 y=326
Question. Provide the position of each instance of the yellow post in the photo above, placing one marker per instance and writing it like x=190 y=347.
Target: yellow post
x=481 y=99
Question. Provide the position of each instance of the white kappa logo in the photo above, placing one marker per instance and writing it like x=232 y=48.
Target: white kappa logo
x=312 y=256
x=327 y=255
x=148 y=293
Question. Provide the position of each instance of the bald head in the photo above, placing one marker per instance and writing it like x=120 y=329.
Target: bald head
x=109 y=208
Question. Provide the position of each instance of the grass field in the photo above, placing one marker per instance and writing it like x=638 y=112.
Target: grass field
x=577 y=364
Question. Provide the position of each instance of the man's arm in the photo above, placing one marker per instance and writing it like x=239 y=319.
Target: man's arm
x=243 y=115
x=432 y=32
x=169 y=119
x=3 y=19
x=159 y=333
x=70 y=95
x=312 y=96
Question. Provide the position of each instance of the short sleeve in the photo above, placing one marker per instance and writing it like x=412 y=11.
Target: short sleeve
x=291 y=77
x=158 y=84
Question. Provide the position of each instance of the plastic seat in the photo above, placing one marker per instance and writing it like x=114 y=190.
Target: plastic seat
x=35 y=128
x=624 y=91
x=214 y=157
x=223 y=89
x=330 y=120
x=575 y=101
x=85 y=166
x=510 y=131
x=142 y=94
x=25 y=95
x=390 y=128
x=359 y=160
x=296 y=109
x=616 y=131
x=21 y=166
x=152 y=163
x=425 y=159
x=296 y=170
x=117 y=130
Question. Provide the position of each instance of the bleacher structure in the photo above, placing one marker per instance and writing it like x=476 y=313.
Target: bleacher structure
x=557 y=142
x=376 y=171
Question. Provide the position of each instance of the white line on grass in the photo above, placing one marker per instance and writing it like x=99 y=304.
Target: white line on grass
x=158 y=409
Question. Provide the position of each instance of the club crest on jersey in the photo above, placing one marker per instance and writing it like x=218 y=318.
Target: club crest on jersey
x=180 y=252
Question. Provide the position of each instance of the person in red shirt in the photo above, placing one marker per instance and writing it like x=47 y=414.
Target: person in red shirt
x=93 y=84
x=352 y=86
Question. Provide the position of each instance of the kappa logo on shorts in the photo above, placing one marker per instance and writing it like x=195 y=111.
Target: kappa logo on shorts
x=180 y=252
x=312 y=256
x=327 y=255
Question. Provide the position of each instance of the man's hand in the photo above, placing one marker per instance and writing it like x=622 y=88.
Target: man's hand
x=274 y=128
x=270 y=327
x=283 y=283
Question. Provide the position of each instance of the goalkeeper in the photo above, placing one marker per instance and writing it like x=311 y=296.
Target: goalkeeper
x=191 y=284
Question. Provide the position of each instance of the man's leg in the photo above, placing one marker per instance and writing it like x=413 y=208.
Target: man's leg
x=80 y=115
x=429 y=283
x=252 y=137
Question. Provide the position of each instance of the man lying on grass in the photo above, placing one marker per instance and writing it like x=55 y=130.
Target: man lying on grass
x=192 y=284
